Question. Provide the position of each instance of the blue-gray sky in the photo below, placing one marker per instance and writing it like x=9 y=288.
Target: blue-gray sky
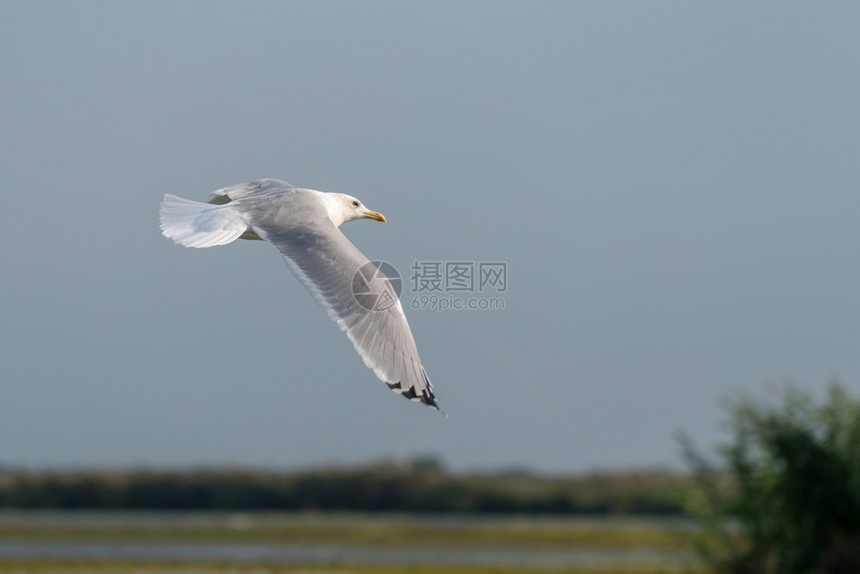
x=674 y=186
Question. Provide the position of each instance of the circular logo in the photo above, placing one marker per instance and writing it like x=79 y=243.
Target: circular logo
x=376 y=285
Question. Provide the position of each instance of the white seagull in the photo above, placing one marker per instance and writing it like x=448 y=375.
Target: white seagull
x=303 y=225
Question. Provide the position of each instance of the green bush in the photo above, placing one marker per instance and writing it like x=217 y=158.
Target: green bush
x=783 y=496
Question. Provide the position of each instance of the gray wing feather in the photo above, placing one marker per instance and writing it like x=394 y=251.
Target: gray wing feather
x=258 y=187
x=326 y=262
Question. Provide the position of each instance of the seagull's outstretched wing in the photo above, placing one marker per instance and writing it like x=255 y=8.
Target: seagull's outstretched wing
x=334 y=270
x=258 y=187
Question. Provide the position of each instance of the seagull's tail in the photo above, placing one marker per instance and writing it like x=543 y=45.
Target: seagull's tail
x=195 y=224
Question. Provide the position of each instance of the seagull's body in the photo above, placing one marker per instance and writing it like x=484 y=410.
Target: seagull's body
x=303 y=225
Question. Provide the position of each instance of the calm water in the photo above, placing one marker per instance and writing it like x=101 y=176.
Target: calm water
x=12 y=548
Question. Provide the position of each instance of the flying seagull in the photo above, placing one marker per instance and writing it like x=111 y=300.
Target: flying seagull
x=303 y=225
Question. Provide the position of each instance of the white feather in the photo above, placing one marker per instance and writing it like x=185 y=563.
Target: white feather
x=195 y=224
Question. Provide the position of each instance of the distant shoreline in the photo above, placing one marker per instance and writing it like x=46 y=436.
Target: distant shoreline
x=418 y=487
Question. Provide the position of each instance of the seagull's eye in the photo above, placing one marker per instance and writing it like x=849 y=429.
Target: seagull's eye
x=355 y=204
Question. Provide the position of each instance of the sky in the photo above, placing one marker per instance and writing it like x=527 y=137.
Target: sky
x=673 y=189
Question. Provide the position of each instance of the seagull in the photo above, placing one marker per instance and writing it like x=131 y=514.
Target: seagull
x=304 y=225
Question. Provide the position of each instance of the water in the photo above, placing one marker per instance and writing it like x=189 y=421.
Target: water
x=30 y=546
x=253 y=553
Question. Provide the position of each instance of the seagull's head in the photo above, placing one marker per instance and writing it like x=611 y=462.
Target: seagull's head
x=343 y=208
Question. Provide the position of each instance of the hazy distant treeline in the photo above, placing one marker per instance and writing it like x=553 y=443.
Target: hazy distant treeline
x=415 y=487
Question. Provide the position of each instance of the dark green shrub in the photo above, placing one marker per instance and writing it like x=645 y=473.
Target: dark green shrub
x=784 y=495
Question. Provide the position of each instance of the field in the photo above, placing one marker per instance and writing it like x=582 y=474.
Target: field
x=161 y=542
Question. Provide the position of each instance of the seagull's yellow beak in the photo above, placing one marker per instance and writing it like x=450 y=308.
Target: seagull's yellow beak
x=374 y=215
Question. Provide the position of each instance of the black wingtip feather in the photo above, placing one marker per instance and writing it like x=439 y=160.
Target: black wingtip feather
x=427 y=397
